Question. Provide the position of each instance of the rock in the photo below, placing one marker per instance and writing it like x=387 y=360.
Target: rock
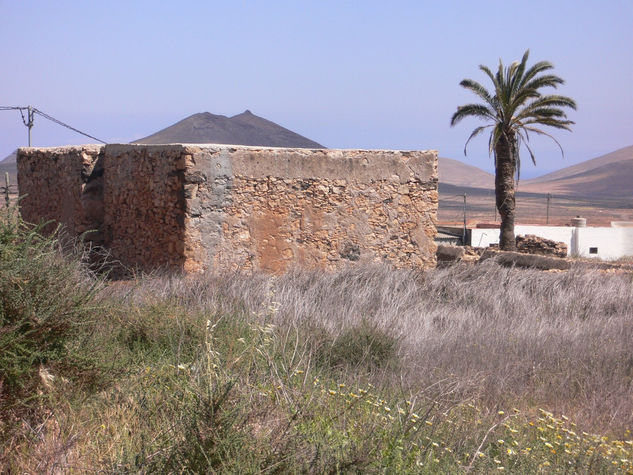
x=471 y=254
x=351 y=252
x=531 y=244
x=449 y=253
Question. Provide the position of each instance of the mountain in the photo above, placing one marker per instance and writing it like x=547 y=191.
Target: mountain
x=456 y=173
x=607 y=176
x=8 y=164
x=243 y=129
x=623 y=154
x=11 y=158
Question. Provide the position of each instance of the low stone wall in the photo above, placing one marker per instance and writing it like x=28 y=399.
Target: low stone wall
x=196 y=207
x=532 y=244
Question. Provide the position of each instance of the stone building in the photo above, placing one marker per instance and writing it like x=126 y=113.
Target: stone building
x=196 y=207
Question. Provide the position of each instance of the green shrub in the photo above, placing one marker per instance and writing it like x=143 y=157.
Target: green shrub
x=44 y=297
x=364 y=345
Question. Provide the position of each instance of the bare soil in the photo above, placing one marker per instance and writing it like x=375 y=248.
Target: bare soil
x=531 y=208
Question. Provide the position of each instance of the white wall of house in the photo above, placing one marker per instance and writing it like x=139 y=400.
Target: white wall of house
x=626 y=228
x=604 y=242
x=483 y=237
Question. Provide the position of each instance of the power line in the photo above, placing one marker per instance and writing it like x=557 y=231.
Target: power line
x=28 y=121
x=59 y=122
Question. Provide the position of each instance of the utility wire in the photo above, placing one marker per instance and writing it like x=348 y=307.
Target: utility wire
x=59 y=122
x=46 y=116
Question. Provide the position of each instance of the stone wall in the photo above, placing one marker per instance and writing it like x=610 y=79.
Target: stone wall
x=144 y=219
x=63 y=184
x=196 y=207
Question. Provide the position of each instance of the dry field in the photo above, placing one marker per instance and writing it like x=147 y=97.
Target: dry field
x=531 y=208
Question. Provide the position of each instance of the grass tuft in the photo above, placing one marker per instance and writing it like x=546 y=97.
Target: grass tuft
x=363 y=347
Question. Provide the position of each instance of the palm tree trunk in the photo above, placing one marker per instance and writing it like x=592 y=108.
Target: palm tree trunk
x=505 y=168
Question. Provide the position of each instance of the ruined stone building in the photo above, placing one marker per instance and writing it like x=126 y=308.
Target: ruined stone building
x=196 y=207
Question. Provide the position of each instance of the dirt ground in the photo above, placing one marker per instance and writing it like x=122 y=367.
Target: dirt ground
x=531 y=208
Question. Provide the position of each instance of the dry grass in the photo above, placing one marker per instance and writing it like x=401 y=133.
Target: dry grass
x=485 y=332
x=368 y=370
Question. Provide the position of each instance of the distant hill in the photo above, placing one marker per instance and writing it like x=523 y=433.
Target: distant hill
x=8 y=164
x=11 y=158
x=456 y=173
x=623 y=154
x=599 y=189
x=243 y=129
x=607 y=176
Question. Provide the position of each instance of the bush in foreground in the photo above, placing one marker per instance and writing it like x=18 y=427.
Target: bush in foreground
x=44 y=297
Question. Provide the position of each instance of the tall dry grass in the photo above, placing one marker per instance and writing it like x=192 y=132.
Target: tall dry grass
x=368 y=369
x=493 y=334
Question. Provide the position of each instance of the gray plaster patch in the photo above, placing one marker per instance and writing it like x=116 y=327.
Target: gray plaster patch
x=211 y=170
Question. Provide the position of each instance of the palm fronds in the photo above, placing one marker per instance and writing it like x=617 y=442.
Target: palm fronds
x=515 y=103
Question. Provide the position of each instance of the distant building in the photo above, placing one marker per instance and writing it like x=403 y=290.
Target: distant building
x=607 y=243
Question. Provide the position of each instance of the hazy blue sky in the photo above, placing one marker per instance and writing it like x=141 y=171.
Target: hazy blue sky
x=348 y=74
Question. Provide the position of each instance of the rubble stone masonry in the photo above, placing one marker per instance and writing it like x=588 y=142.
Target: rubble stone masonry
x=197 y=207
x=64 y=185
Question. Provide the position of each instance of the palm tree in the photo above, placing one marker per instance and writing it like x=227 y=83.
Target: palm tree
x=513 y=110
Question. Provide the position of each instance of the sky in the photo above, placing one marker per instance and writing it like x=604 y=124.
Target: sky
x=347 y=74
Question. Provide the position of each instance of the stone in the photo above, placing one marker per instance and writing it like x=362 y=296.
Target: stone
x=350 y=252
x=532 y=244
x=449 y=253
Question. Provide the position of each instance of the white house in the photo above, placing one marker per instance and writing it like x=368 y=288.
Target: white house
x=604 y=242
